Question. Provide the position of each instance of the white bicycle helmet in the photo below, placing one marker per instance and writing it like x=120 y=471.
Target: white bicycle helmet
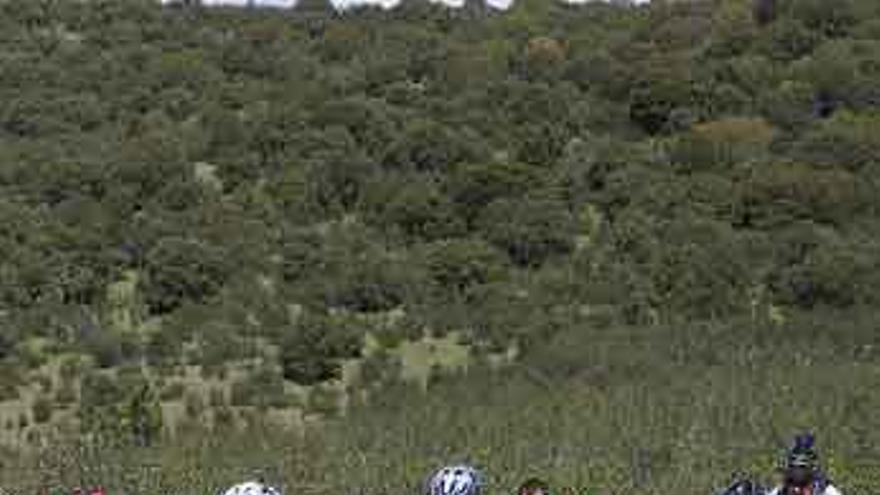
x=456 y=480
x=252 y=488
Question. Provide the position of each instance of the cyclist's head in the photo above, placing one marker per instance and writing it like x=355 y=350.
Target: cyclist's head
x=534 y=486
x=252 y=488
x=456 y=480
x=801 y=461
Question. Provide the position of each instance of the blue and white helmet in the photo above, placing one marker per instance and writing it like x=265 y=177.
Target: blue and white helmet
x=252 y=488
x=456 y=480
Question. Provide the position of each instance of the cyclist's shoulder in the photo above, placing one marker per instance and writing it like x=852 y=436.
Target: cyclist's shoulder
x=831 y=490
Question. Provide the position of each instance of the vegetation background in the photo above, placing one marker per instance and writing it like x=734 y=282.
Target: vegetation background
x=627 y=249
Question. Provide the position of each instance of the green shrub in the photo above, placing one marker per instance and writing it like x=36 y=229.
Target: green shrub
x=41 y=410
x=181 y=270
x=216 y=397
x=193 y=405
x=263 y=388
x=723 y=143
x=324 y=400
x=457 y=266
x=314 y=346
x=380 y=369
x=66 y=394
x=773 y=194
x=416 y=209
x=173 y=391
x=529 y=231
x=851 y=141
x=427 y=146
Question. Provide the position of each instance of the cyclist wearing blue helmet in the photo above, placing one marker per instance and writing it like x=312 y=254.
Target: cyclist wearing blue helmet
x=803 y=475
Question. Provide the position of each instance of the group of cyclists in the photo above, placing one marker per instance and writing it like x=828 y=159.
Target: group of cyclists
x=801 y=470
x=802 y=475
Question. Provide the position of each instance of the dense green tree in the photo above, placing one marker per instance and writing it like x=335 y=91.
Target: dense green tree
x=314 y=347
x=181 y=270
x=474 y=186
x=457 y=266
x=337 y=171
x=529 y=231
x=829 y=19
x=430 y=147
x=372 y=123
x=849 y=141
x=789 y=39
x=662 y=86
x=765 y=11
x=817 y=268
x=776 y=194
x=416 y=208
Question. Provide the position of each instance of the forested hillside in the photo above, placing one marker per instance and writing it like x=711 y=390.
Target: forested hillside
x=210 y=215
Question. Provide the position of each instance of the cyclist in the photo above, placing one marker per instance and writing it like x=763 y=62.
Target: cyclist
x=456 y=480
x=533 y=486
x=252 y=488
x=802 y=473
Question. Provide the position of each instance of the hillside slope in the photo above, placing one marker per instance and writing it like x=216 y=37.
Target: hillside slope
x=211 y=220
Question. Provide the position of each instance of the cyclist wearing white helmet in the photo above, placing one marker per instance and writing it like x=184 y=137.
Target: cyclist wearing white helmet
x=252 y=488
x=456 y=480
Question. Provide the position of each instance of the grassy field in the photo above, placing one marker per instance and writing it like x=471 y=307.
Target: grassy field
x=416 y=360
x=641 y=410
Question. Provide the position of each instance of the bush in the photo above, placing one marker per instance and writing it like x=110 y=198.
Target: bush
x=104 y=347
x=415 y=208
x=324 y=400
x=774 y=194
x=661 y=87
x=428 y=146
x=314 y=346
x=457 y=266
x=723 y=143
x=193 y=405
x=263 y=388
x=10 y=380
x=350 y=270
x=7 y=341
x=545 y=58
x=370 y=122
x=368 y=283
x=42 y=410
x=848 y=140
x=173 y=391
x=337 y=174
x=829 y=19
x=66 y=395
x=788 y=39
x=529 y=231
x=380 y=369
x=181 y=270
x=474 y=186
x=827 y=274
x=216 y=397
x=789 y=105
